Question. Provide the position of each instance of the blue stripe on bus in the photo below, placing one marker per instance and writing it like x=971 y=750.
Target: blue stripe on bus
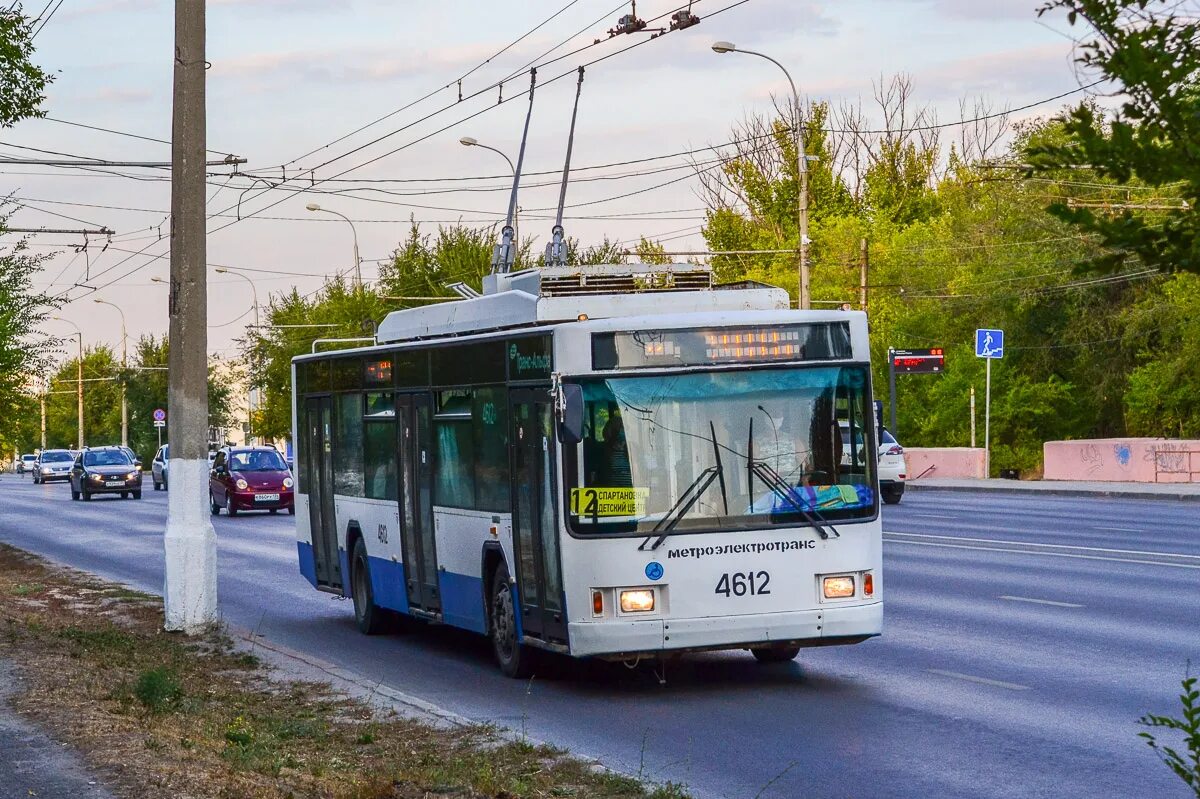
x=308 y=566
x=462 y=601
x=387 y=584
x=344 y=559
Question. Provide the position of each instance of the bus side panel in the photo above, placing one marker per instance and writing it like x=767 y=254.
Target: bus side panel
x=378 y=521
x=460 y=536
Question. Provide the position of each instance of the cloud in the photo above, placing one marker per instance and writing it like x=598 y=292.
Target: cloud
x=984 y=9
x=123 y=96
x=1042 y=69
x=107 y=8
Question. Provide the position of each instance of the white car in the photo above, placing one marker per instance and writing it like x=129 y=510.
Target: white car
x=891 y=468
x=159 y=467
x=52 y=464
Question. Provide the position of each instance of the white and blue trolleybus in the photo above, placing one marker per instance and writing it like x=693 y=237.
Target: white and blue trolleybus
x=619 y=462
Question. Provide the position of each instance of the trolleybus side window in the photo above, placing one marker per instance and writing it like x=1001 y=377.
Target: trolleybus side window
x=490 y=420
x=348 y=454
x=379 y=445
x=454 y=478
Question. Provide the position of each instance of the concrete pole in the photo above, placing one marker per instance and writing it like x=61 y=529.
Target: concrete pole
x=190 y=589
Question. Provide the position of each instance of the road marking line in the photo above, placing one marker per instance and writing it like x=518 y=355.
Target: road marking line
x=1121 y=529
x=1047 y=546
x=1012 y=686
x=1049 y=554
x=1041 y=601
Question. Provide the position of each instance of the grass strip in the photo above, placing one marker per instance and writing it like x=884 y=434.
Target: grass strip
x=160 y=714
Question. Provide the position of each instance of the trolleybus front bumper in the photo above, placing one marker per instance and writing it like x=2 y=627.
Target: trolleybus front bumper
x=821 y=627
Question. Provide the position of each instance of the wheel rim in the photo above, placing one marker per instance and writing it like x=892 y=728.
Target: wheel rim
x=360 y=588
x=504 y=624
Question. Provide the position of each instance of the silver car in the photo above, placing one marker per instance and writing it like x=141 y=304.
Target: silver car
x=52 y=464
x=158 y=469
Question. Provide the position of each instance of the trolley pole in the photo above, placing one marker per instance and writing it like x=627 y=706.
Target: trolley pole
x=190 y=590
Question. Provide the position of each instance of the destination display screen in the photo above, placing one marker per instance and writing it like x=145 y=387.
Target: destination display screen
x=927 y=361
x=643 y=349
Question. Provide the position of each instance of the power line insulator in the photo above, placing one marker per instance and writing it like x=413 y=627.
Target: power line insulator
x=683 y=19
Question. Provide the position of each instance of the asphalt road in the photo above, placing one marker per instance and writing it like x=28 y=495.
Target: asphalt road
x=1023 y=638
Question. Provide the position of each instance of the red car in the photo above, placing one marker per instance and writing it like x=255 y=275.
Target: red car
x=250 y=478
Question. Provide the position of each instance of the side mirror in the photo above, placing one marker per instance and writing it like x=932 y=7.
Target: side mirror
x=570 y=428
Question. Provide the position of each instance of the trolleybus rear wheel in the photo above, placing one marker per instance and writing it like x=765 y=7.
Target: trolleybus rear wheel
x=367 y=615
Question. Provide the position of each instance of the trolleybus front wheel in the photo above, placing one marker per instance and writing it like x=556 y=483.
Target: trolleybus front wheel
x=775 y=654
x=515 y=660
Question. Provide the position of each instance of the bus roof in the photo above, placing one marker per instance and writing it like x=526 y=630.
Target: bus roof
x=564 y=294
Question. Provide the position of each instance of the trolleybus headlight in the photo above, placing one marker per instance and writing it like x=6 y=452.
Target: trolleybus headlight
x=838 y=587
x=597 y=603
x=868 y=584
x=242 y=484
x=287 y=482
x=640 y=600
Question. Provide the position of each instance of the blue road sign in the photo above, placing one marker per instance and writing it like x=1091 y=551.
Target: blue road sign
x=989 y=343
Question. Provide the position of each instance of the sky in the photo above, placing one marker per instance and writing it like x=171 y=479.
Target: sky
x=289 y=79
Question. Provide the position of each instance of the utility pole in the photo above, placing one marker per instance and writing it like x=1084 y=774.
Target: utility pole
x=190 y=590
x=862 y=275
x=42 y=402
x=78 y=374
x=125 y=369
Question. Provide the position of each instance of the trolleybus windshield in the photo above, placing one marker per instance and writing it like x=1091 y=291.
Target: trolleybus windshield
x=722 y=450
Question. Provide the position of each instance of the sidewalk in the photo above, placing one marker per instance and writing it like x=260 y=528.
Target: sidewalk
x=31 y=764
x=1079 y=488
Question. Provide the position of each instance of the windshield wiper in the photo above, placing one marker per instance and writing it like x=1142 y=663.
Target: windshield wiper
x=690 y=496
x=780 y=488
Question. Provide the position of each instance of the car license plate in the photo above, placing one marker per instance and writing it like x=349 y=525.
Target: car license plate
x=113 y=483
x=266 y=497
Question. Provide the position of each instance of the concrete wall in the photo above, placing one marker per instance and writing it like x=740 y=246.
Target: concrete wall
x=947 y=461
x=1141 y=460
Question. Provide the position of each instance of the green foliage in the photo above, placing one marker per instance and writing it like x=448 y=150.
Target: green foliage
x=1153 y=56
x=23 y=352
x=157 y=689
x=22 y=83
x=954 y=246
x=1185 y=764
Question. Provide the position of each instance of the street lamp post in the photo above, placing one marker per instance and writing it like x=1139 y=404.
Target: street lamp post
x=78 y=375
x=470 y=141
x=801 y=167
x=354 y=230
x=221 y=270
x=125 y=368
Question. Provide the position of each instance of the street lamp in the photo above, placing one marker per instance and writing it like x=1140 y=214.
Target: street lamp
x=801 y=167
x=78 y=374
x=221 y=270
x=125 y=367
x=349 y=221
x=470 y=141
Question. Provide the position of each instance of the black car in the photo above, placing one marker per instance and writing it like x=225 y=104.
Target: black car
x=105 y=470
x=52 y=464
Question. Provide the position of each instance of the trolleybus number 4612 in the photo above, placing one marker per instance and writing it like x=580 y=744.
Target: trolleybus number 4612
x=739 y=584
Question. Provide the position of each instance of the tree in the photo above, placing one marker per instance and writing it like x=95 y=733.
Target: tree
x=23 y=352
x=1152 y=55
x=22 y=83
x=101 y=401
x=147 y=390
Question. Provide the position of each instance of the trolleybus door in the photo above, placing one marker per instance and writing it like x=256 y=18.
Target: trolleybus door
x=535 y=506
x=319 y=466
x=414 y=412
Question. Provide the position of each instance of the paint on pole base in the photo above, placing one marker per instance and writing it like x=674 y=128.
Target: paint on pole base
x=190 y=586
